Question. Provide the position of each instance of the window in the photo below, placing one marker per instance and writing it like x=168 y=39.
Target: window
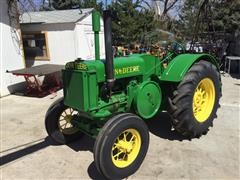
x=35 y=46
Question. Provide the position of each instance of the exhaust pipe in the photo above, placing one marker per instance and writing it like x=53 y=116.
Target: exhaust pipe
x=109 y=69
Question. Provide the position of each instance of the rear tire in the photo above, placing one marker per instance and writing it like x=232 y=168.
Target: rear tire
x=195 y=101
x=121 y=146
x=58 y=125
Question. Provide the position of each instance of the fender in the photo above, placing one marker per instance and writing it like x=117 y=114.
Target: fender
x=180 y=65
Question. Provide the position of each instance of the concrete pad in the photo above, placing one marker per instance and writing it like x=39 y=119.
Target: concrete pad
x=27 y=152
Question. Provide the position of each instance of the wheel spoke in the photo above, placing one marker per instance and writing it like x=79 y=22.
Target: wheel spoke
x=204 y=92
x=117 y=139
x=133 y=137
x=120 y=152
x=124 y=136
x=114 y=147
x=69 y=125
x=66 y=125
x=125 y=155
x=127 y=133
x=61 y=119
x=195 y=111
x=63 y=125
x=199 y=89
x=65 y=112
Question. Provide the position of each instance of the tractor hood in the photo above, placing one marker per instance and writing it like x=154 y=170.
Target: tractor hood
x=133 y=65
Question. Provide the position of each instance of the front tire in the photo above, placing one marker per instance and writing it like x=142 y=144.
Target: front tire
x=121 y=146
x=58 y=123
x=195 y=101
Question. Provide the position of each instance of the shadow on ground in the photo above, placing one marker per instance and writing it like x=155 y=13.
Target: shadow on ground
x=236 y=76
x=160 y=126
x=37 y=145
x=84 y=144
x=93 y=172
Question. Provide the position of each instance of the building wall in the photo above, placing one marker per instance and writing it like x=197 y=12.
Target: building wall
x=85 y=39
x=11 y=57
x=66 y=41
x=60 y=39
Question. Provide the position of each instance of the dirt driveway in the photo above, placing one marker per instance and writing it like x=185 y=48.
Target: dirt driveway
x=27 y=152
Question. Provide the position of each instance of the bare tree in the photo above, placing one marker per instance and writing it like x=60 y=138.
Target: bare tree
x=168 y=5
x=27 y=5
x=162 y=7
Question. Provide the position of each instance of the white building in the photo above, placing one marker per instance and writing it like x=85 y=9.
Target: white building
x=57 y=37
x=11 y=54
x=53 y=37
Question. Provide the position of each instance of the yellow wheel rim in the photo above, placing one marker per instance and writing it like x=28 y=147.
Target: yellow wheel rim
x=64 y=122
x=126 y=148
x=203 y=100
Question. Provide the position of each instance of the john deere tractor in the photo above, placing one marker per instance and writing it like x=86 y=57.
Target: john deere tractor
x=110 y=100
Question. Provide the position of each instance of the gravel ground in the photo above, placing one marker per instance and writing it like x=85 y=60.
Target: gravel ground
x=27 y=152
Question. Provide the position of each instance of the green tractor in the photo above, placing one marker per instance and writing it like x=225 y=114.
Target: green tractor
x=111 y=99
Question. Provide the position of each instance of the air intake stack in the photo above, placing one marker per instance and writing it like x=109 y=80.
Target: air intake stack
x=96 y=27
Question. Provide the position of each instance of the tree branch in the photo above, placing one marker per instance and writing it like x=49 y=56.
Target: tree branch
x=171 y=5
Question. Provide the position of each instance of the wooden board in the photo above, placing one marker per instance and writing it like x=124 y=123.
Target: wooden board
x=40 y=70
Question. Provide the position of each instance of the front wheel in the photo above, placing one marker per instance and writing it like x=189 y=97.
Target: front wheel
x=195 y=101
x=58 y=123
x=121 y=146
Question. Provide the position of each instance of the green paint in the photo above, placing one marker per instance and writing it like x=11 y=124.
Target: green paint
x=136 y=65
x=80 y=89
x=96 y=28
x=87 y=125
x=179 y=66
x=140 y=83
x=82 y=80
x=148 y=99
x=96 y=21
x=97 y=45
x=140 y=86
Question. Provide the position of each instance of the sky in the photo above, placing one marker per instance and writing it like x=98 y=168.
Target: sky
x=39 y=2
x=173 y=12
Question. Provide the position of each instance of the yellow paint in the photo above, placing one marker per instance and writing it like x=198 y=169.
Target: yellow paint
x=126 y=70
x=126 y=148
x=70 y=65
x=81 y=66
x=64 y=122
x=203 y=100
x=78 y=66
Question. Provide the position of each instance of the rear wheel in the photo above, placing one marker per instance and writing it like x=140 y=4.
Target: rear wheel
x=195 y=101
x=58 y=123
x=121 y=146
